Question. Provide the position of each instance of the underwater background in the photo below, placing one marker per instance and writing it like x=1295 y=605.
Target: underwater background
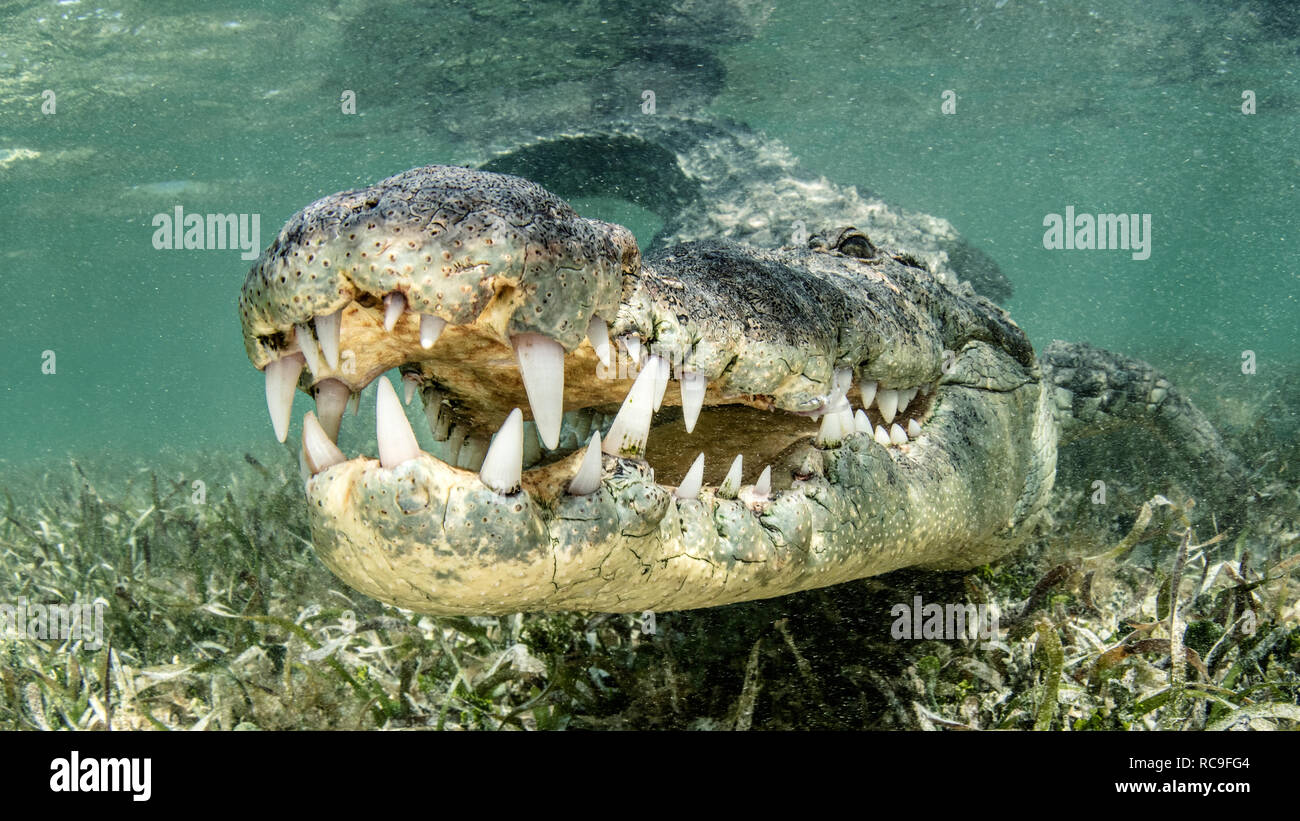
x=234 y=108
x=1106 y=106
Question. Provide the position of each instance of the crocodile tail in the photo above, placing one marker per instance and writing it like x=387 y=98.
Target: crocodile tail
x=1095 y=391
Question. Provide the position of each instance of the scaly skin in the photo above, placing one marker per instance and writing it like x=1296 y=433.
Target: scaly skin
x=497 y=256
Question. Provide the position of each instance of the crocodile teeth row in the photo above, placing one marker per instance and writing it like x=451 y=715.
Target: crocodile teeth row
x=890 y=403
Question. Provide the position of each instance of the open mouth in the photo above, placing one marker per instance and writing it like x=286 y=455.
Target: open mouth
x=709 y=424
x=616 y=397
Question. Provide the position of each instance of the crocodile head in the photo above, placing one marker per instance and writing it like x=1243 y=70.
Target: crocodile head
x=714 y=423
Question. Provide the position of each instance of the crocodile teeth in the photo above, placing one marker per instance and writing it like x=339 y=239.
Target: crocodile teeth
x=331 y=400
x=317 y=450
x=861 y=424
x=396 y=439
x=887 y=401
x=327 y=334
x=473 y=453
x=281 y=380
x=598 y=336
x=897 y=435
x=588 y=478
x=835 y=426
x=690 y=486
x=731 y=484
x=430 y=329
x=410 y=382
x=905 y=398
x=882 y=435
x=694 y=386
x=763 y=487
x=868 y=393
x=307 y=344
x=455 y=441
x=633 y=345
x=913 y=428
x=829 y=433
x=394 y=305
x=541 y=366
x=627 y=435
x=662 y=370
x=504 y=462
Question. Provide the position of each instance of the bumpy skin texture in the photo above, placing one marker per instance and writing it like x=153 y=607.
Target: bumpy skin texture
x=455 y=242
x=767 y=328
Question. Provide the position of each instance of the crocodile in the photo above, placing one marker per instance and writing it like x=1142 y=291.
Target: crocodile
x=712 y=422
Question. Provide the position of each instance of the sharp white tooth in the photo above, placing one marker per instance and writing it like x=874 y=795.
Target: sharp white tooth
x=887 y=401
x=331 y=400
x=455 y=441
x=905 y=398
x=317 y=450
x=327 y=334
x=432 y=400
x=897 y=435
x=694 y=386
x=473 y=454
x=731 y=485
x=690 y=486
x=861 y=424
x=430 y=329
x=913 y=428
x=541 y=366
x=631 y=427
x=409 y=384
x=504 y=463
x=846 y=421
x=763 y=487
x=829 y=434
x=868 y=393
x=588 y=478
x=598 y=336
x=882 y=435
x=307 y=344
x=394 y=305
x=281 y=380
x=662 y=371
x=841 y=381
x=396 y=439
x=633 y=345
x=356 y=403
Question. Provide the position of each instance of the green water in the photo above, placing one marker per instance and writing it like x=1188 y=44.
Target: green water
x=233 y=107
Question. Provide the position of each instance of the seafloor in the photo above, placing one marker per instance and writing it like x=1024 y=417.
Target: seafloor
x=219 y=616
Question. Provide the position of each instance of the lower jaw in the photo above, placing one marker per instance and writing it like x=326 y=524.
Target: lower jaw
x=432 y=538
